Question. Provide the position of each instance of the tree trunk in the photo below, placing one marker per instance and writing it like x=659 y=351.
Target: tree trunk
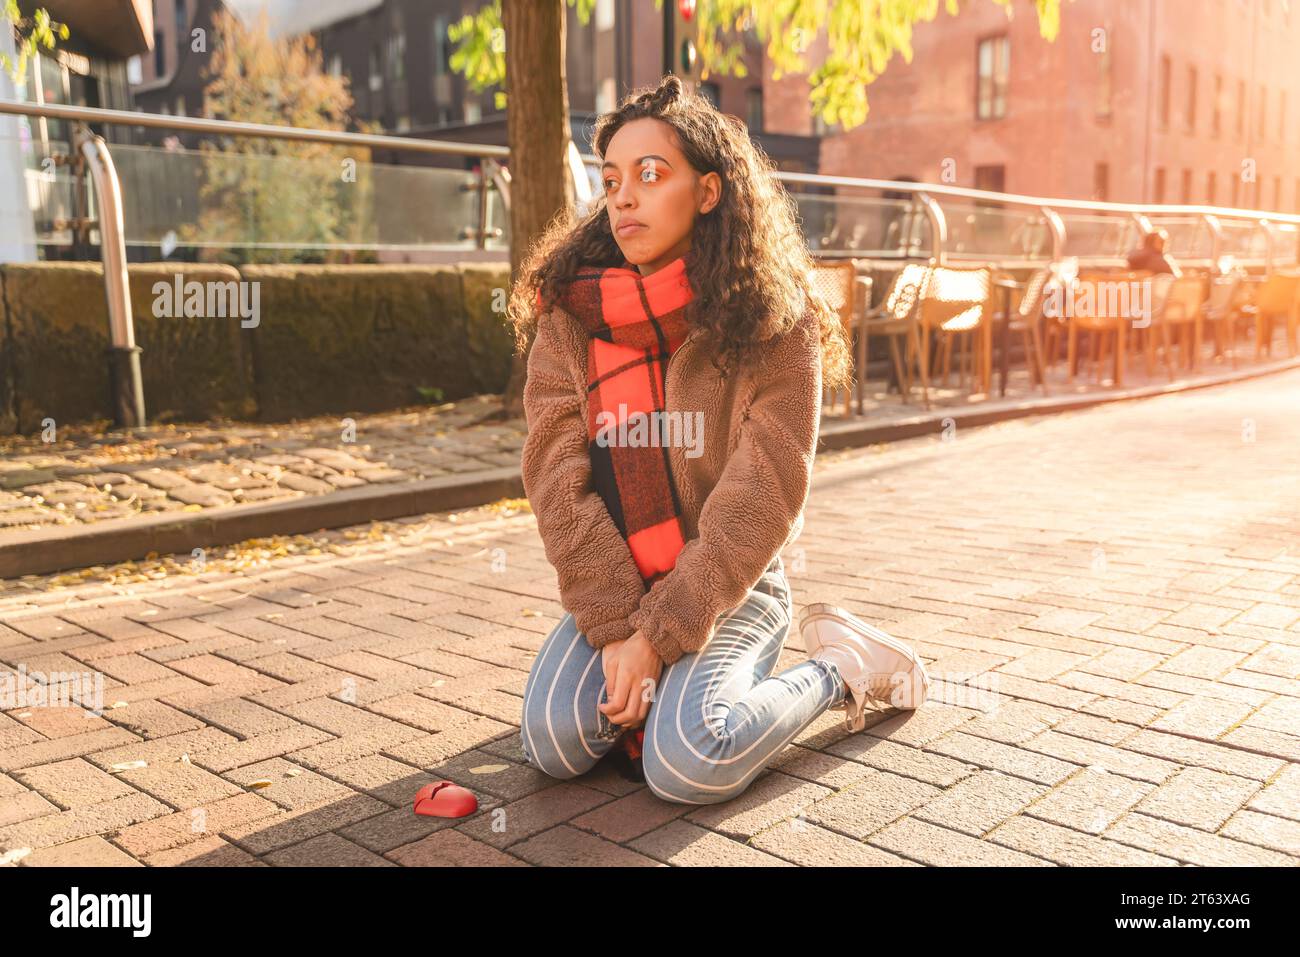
x=537 y=130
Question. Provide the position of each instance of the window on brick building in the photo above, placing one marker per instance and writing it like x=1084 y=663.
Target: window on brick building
x=1187 y=186
x=1104 y=85
x=1101 y=182
x=441 y=45
x=1211 y=187
x=1241 y=109
x=988 y=227
x=396 y=58
x=1191 y=99
x=993 y=58
x=991 y=178
x=823 y=128
x=1158 y=185
x=1166 y=68
x=754 y=109
x=1216 y=111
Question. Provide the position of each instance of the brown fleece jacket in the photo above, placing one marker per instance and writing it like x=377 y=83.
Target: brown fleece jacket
x=742 y=499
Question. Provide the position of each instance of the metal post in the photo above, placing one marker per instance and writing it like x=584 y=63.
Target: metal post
x=1268 y=245
x=81 y=223
x=938 y=227
x=493 y=176
x=124 y=355
x=484 y=205
x=1216 y=241
x=1057 y=225
x=501 y=179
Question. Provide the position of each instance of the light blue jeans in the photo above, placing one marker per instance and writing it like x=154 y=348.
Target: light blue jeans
x=718 y=716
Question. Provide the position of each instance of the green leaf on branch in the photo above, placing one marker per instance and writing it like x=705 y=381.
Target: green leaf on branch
x=30 y=34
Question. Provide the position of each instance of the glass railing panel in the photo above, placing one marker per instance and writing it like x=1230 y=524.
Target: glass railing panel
x=1190 y=237
x=990 y=230
x=864 y=226
x=1099 y=236
x=1245 y=241
x=261 y=205
x=40 y=185
x=1286 y=244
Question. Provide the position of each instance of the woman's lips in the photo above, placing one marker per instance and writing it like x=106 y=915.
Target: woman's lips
x=627 y=229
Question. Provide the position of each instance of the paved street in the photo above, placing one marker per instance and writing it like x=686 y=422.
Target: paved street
x=1110 y=599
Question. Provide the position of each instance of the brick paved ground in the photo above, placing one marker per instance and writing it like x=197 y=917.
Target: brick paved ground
x=83 y=475
x=1111 y=599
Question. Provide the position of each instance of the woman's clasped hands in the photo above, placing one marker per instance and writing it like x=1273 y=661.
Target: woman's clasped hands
x=632 y=668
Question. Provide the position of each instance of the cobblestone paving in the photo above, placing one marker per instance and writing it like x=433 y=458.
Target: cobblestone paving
x=1109 y=600
x=89 y=475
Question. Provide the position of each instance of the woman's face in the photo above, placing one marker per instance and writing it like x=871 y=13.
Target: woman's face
x=652 y=194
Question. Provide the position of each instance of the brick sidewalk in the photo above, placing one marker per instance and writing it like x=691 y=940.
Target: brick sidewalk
x=1110 y=599
x=88 y=475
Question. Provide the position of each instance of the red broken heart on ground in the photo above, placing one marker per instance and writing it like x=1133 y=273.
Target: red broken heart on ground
x=445 y=799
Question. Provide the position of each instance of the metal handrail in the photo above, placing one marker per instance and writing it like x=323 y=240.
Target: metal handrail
x=1038 y=202
x=233 y=128
x=925 y=194
x=198 y=124
x=124 y=355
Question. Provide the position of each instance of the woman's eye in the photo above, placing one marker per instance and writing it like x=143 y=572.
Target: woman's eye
x=652 y=177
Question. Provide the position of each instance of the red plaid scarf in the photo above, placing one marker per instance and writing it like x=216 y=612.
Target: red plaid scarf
x=634 y=323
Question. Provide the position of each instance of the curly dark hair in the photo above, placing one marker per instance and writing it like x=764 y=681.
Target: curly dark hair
x=754 y=272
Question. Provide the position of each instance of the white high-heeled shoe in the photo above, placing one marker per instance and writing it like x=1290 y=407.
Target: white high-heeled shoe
x=876 y=666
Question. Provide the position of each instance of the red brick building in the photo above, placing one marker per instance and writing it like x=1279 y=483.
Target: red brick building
x=1170 y=101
